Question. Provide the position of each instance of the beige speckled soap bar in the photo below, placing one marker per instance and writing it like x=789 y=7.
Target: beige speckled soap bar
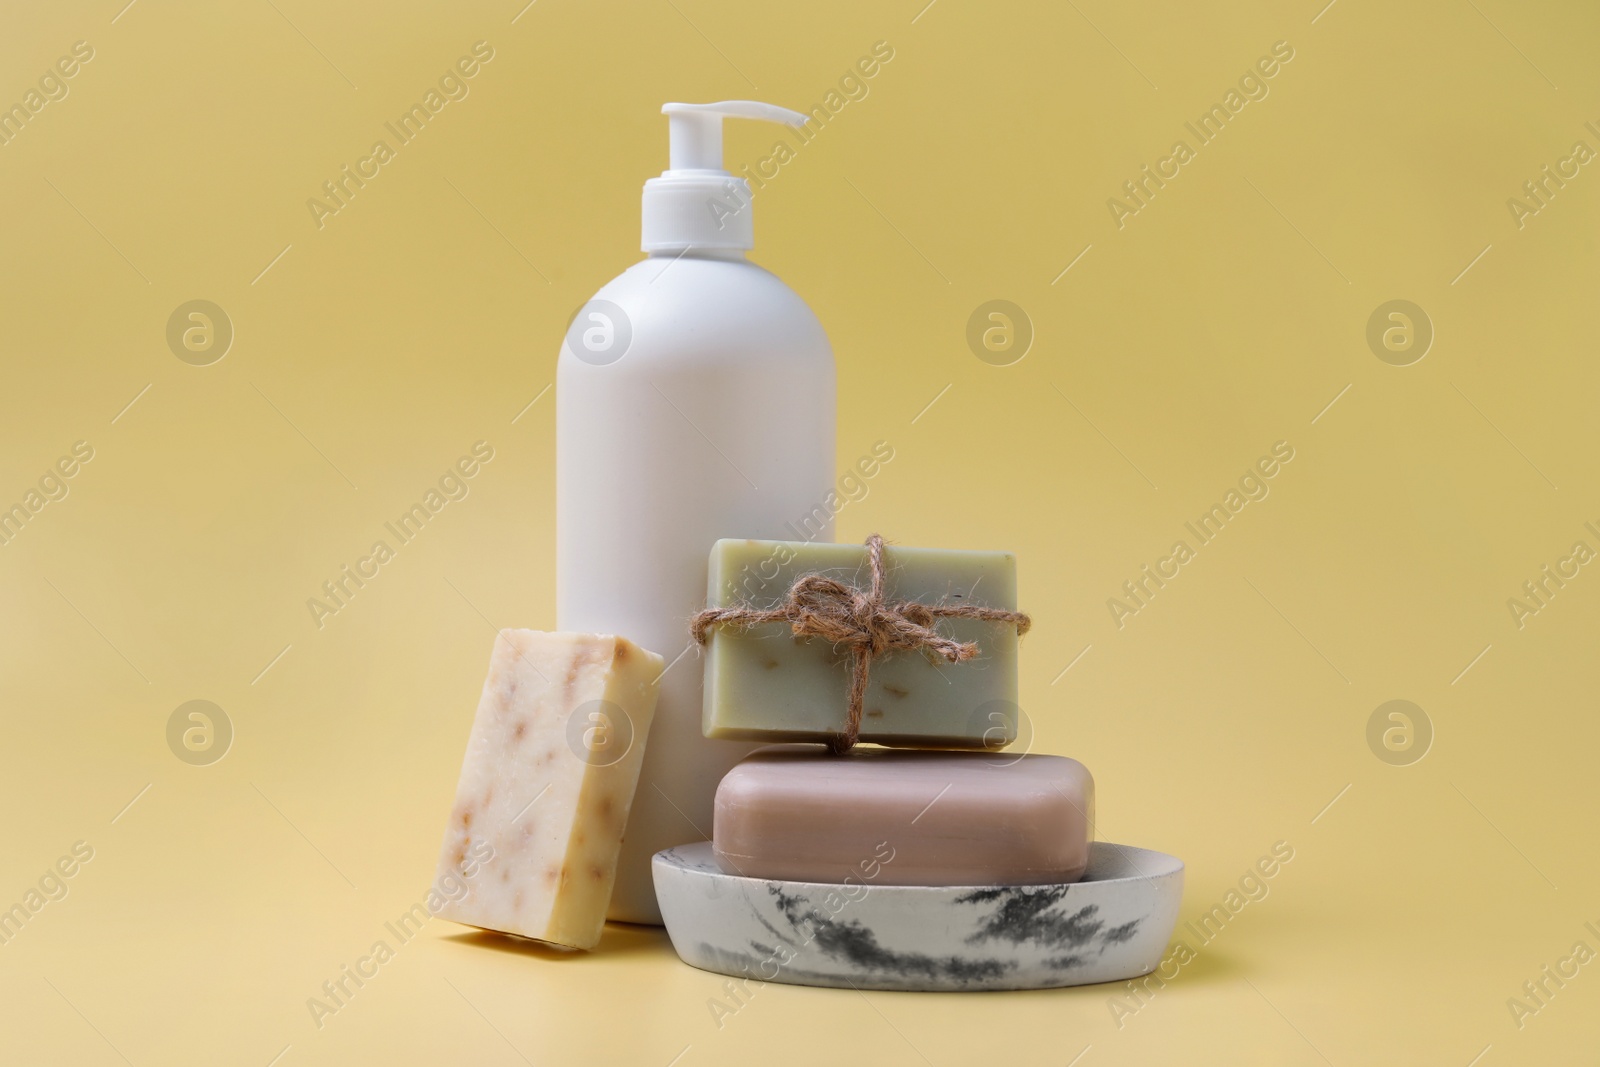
x=547 y=782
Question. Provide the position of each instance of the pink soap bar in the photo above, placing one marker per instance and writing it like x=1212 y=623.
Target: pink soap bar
x=904 y=817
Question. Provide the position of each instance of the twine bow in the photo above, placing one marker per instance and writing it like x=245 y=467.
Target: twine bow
x=864 y=622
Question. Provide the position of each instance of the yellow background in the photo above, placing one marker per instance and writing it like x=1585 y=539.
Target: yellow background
x=371 y=353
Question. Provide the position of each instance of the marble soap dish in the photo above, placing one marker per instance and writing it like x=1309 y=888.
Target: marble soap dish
x=1112 y=925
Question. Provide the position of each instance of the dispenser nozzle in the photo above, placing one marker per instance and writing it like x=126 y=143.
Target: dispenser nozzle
x=696 y=203
x=694 y=131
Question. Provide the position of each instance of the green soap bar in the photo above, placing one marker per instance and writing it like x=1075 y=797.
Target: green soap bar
x=765 y=684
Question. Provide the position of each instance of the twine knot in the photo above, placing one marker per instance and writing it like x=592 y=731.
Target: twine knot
x=863 y=621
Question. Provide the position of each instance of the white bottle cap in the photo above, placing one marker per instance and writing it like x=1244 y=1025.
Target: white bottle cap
x=695 y=203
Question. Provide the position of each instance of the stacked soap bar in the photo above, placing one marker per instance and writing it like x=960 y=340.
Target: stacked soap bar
x=898 y=817
x=763 y=684
x=547 y=782
x=786 y=625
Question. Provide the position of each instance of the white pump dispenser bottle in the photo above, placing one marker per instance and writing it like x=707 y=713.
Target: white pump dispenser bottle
x=695 y=399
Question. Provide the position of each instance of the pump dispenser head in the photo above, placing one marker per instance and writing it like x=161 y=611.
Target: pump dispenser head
x=695 y=203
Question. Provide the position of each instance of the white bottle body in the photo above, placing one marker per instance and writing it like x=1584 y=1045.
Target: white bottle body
x=716 y=421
